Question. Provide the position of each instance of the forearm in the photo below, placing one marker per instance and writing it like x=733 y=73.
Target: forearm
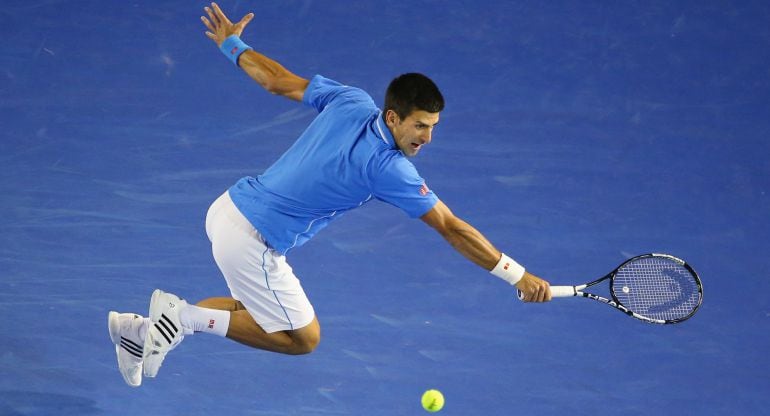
x=471 y=244
x=272 y=76
x=476 y=248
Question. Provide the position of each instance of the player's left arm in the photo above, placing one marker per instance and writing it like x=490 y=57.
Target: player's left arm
x=268 y=73
x=475 y=247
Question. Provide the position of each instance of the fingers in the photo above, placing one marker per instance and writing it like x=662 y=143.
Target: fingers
x=543 y=294
x=219 y=25
x=208 y=24
x=215 y=22
x=537 y=295
x=534 y=289
x=220 y=15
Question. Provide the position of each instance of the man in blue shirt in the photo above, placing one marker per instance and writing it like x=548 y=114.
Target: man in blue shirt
x=350 y=154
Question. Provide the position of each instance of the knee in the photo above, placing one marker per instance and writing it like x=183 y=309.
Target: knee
x=306 y=343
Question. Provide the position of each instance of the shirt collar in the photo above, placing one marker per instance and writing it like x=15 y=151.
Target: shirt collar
x=384 y=132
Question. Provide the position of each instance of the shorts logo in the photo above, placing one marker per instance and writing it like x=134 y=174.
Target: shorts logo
x=211 y=323
x=424 y=190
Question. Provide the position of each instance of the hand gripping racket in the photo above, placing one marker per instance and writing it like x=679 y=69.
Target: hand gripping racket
x=656 y=288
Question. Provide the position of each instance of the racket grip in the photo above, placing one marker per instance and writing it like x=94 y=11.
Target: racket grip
x=563 y=291
x=556 y=292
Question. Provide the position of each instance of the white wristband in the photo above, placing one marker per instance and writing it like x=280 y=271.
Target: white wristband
x=508 y=270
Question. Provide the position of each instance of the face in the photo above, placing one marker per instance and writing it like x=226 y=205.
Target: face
x=412 y=132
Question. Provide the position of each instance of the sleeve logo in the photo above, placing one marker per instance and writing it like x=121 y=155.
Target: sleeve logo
x=424 y=190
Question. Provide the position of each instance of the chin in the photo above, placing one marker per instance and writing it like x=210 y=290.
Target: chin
x=408 y=152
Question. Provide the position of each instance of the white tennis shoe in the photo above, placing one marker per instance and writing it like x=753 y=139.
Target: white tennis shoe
x=165 y=332
x=124 y=333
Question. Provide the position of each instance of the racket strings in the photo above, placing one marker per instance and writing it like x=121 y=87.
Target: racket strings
x=658 y=288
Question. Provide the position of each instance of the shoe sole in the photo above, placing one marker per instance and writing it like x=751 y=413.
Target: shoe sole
x=150 y=370
x=113 y=324
x=153 y=300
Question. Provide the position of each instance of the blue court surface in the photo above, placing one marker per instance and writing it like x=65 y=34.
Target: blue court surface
x=576 y=135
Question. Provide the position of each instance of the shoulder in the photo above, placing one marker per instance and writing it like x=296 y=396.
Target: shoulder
x=322 y=91
x=392 y=165
x=397 y=182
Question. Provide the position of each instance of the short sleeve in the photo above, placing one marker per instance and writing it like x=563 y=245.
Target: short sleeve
x=323 y=91
x=397 y=182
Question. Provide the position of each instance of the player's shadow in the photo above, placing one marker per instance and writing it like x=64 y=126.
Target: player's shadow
x=25 y=403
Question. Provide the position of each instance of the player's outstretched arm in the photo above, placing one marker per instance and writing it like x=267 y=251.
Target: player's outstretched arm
x=476 y=248
x=266 y=72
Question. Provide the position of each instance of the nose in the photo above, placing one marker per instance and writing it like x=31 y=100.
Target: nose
x=427 y=136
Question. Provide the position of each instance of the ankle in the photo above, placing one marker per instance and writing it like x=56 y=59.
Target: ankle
x=199 y=319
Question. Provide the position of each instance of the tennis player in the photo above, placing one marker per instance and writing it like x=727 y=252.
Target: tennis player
x=351 y=153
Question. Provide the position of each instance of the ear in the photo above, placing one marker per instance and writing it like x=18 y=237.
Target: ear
x=391 y=118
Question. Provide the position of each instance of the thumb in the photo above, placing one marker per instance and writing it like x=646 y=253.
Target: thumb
x=246 y=19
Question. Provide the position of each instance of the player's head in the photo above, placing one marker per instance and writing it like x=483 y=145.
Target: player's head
x=413 y=91
x=412 y=106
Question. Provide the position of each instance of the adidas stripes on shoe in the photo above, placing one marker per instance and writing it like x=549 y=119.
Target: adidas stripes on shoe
x=126 y=332
x=165 y=332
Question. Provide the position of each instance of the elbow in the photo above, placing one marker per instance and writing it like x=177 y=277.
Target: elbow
x=271 y=79
x=272 y=86
x=283 y=86
x=277 y=82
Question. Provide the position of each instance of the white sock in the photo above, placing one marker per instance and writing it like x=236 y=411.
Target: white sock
x=198 y=319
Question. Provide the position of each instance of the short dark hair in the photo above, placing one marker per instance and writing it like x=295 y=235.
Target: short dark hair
x=412 y=91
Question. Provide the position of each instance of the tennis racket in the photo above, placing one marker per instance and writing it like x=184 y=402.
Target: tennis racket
x=655 y=288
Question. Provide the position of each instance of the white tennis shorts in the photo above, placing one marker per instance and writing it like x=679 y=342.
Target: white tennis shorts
x=257 y=276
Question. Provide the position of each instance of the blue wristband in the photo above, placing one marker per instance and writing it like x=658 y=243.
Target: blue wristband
x=233 y=47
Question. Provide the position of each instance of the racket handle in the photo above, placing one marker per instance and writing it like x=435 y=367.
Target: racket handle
x=556 y=292
x=563 y=291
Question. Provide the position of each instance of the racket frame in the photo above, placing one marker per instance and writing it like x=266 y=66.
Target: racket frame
x=568 y=291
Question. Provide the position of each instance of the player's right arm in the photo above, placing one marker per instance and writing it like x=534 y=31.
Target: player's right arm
x=469 y=242
x=268 y=73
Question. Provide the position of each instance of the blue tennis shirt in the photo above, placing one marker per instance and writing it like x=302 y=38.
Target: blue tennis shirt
x=346 y=157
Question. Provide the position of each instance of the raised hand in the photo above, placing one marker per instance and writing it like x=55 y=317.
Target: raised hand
x=220 y=27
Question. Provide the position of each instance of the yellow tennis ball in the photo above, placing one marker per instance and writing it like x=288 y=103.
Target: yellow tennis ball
x=432 y=400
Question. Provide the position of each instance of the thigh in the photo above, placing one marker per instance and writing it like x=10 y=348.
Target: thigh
x=257 y=277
